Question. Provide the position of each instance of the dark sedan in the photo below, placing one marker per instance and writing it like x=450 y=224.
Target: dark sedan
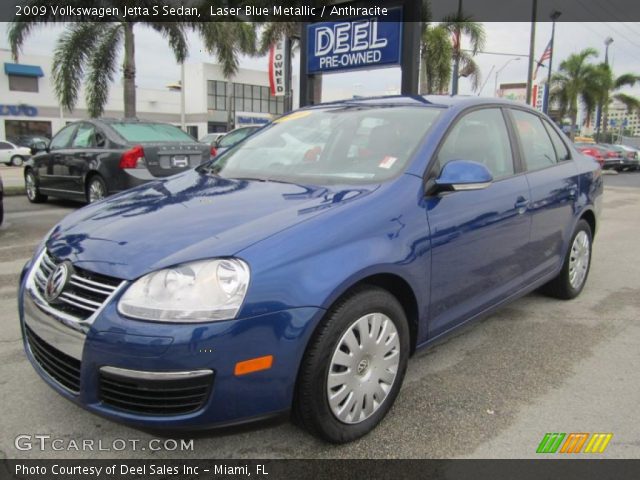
x=91 y=159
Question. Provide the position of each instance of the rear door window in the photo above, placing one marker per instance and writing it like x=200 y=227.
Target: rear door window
x=536 y=145
x=85 y=136
x=562 y=152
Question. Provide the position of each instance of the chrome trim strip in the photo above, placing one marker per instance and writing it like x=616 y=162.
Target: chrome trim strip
x=142 y=375
x=94 y=284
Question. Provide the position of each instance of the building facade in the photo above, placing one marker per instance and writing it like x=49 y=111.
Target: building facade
x=28 y=105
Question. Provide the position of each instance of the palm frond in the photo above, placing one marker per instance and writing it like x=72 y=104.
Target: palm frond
x=102 y=68
x=70 y=57
x=175 y=34
x=632 y=103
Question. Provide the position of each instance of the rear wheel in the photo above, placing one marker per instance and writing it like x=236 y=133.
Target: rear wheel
x=32 y=188
x=575 y=270
x=17 y=160
x=96 y=189
x=354 y=366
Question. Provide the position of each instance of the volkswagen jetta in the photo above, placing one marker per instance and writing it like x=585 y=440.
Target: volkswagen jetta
x=301 y=269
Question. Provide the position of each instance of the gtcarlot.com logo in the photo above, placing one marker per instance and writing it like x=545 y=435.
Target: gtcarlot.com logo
x=574 y=443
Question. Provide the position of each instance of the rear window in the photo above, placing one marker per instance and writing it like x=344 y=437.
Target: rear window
x=151 y=132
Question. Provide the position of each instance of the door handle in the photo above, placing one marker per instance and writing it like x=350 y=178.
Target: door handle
x=521 y=204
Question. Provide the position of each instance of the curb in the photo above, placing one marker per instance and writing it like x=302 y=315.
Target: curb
x=14 y=191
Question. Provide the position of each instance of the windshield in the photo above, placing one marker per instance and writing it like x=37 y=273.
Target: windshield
x=151 y=132
x=332 y=145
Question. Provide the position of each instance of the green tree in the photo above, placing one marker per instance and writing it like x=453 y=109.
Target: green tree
x=88 y=52
x=576 y=82
x=610 y=87
x=441 y=47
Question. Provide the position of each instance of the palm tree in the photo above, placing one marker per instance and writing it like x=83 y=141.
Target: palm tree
x=438 y=50
x=576 y=82
x=436 y=53
x=88 y=52
x=610 y=86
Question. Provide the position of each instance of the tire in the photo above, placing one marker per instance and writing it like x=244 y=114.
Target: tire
x=562 y=286
x=33 y=189
x=96 y=189
x=312 y=409
x=16 y=161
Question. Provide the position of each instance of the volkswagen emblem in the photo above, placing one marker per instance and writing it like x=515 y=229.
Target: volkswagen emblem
x=57 y=280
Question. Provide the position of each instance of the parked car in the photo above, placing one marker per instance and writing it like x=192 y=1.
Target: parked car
x=632 y=162
x=232 y=138
x=13 y=154
x=246 y=287
x=91 y=159
x=613 y=158
x=30 y=141
x=593 y=151
x=210 y=138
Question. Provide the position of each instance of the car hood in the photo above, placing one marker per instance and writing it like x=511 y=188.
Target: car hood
x=187 y=217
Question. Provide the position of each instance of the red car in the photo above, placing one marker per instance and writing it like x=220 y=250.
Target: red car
x=593 y=151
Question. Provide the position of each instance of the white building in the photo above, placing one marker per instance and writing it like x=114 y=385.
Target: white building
x=620 y=118
x=28 y=104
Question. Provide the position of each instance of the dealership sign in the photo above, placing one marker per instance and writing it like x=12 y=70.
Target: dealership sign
x=277 y=62
x=18 y=111
x=363 y=42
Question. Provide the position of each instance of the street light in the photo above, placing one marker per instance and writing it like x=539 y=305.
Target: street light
x=495 y=89
x=599 y=109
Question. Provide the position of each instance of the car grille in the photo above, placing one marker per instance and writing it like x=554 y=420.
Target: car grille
x=155 y=396
x=61 y=367
x=85 y=293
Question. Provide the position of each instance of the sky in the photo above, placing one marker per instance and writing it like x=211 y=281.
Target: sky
x=156 y=66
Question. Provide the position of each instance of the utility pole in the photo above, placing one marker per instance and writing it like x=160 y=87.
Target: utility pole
x=554 y=16
x=532 y=48
x=607 y=41
x=456 y=53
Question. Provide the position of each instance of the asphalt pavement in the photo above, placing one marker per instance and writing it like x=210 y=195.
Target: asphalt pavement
x=492 y=390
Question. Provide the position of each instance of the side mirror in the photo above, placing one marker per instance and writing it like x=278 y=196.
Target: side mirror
x=459 y=175
x=38 y=147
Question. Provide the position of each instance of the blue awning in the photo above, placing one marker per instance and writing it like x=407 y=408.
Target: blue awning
x=23 y=70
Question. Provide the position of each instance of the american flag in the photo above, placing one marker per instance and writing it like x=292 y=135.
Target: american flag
x=546 y=55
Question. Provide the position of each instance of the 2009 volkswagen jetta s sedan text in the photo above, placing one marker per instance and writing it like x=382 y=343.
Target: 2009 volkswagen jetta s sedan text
x=301 y=269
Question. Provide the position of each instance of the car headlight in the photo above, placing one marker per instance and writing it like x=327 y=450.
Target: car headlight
x=200 y=291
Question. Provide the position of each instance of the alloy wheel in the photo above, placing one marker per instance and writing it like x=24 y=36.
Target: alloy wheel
x=96 y=191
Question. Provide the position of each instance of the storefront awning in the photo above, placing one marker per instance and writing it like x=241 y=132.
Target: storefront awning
x=23 y=70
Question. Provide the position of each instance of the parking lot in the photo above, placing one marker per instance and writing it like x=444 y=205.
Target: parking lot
x=491 y=391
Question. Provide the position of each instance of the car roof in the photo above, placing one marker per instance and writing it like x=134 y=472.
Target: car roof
x=442 y=101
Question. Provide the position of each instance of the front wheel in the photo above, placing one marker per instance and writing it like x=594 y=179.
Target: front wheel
x=575 y=270
x=354 y=366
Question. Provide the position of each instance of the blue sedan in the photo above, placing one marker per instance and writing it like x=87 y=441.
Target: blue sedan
x=299 y=271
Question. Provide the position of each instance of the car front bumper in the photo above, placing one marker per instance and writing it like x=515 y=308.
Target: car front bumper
x=141 y=352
